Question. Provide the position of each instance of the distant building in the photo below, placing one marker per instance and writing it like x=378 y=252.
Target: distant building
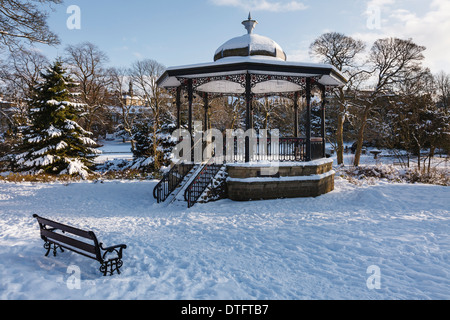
x=127 y=104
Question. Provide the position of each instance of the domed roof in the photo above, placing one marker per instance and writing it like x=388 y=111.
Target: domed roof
x=250 y=45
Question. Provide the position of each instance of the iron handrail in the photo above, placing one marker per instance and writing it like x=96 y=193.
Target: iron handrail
x=172 y=179
x=289 y=149
x=201 y=182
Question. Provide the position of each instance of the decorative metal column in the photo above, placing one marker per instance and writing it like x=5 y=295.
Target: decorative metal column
x=205 y=119
x=178 y=103
x=249 y=116
x=206 y=109
x=308 y=119
x=323 y=124
x=296 y=131
x=190 y=99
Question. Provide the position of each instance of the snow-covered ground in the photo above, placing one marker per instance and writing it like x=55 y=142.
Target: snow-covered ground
x=322 y=248
x=119 y=150
x=114 y=150
x=315 y=248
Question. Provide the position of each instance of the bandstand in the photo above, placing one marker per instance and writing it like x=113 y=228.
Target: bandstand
x=252 y=67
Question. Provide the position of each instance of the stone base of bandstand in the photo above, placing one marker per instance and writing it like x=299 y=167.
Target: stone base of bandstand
x=264 y=181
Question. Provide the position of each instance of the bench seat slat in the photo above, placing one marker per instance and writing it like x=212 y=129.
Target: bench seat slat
x=65 y=228
x=69 y=241
x=57 y=235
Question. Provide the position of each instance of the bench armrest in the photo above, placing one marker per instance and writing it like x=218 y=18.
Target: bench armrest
x=117 y=249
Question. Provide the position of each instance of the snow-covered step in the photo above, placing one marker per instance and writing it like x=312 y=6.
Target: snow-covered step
x=179 y=192
x=172 y=196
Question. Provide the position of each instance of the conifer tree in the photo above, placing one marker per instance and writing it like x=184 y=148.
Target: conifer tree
x=144 y=156
x=143 y=152
x=54 y=143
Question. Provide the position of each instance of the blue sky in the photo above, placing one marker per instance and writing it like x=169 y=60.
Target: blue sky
x=178 y=32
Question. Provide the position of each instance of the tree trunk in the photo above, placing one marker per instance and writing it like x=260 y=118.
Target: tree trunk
x=266 y=120
x=418 y=160
x=361 y=135
x=431 y=155
x=340 y=137
x=340 y=129
x=156 y=126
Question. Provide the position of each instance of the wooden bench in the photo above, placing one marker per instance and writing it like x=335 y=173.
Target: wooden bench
x=59 y=236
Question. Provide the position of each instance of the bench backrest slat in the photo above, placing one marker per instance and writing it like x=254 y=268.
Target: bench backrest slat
x=65 y=228
x=52 y=230
x=61 y=239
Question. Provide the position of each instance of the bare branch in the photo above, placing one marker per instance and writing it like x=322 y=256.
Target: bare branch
x=25 y=20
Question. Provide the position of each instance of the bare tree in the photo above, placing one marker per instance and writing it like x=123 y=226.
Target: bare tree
x=87 y=64
x=20 y=74
x=144 y=74
x=394 y=61
x=442 y=83
x=23 y=71
x=236 y=108
x=264 y=111
x=342 y=52
x=25 y=20
x=121 y=86
x=226 y=113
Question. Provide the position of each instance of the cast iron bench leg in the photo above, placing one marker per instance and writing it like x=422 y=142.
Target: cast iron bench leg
x=112 y=265
x=50 y=246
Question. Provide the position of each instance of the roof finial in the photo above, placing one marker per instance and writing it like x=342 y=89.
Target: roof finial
x=250 y=24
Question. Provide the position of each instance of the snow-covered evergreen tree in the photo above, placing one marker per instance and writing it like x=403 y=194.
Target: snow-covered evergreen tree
x=166 y=143
x=54 y=143
x=144 y=157
x=143 y=152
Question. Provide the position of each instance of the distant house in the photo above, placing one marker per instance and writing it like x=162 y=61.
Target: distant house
x=128 y=102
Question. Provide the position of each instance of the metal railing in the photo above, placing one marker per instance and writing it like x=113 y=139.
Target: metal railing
x=317 y=149
x=288 y=149
x=170 y=181
x=201 y=182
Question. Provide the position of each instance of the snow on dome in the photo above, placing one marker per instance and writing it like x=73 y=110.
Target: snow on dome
x=250 y=45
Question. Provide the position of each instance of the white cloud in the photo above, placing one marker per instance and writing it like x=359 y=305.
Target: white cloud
x=430 y=29
x=262 y=5
x=301 y=54
x=380 y=3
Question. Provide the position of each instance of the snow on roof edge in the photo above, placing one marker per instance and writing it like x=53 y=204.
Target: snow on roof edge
x=254 y=59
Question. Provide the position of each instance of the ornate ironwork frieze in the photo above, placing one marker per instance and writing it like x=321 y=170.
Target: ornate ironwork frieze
x=259 y=78
x=255 y=79
x=197 y=82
